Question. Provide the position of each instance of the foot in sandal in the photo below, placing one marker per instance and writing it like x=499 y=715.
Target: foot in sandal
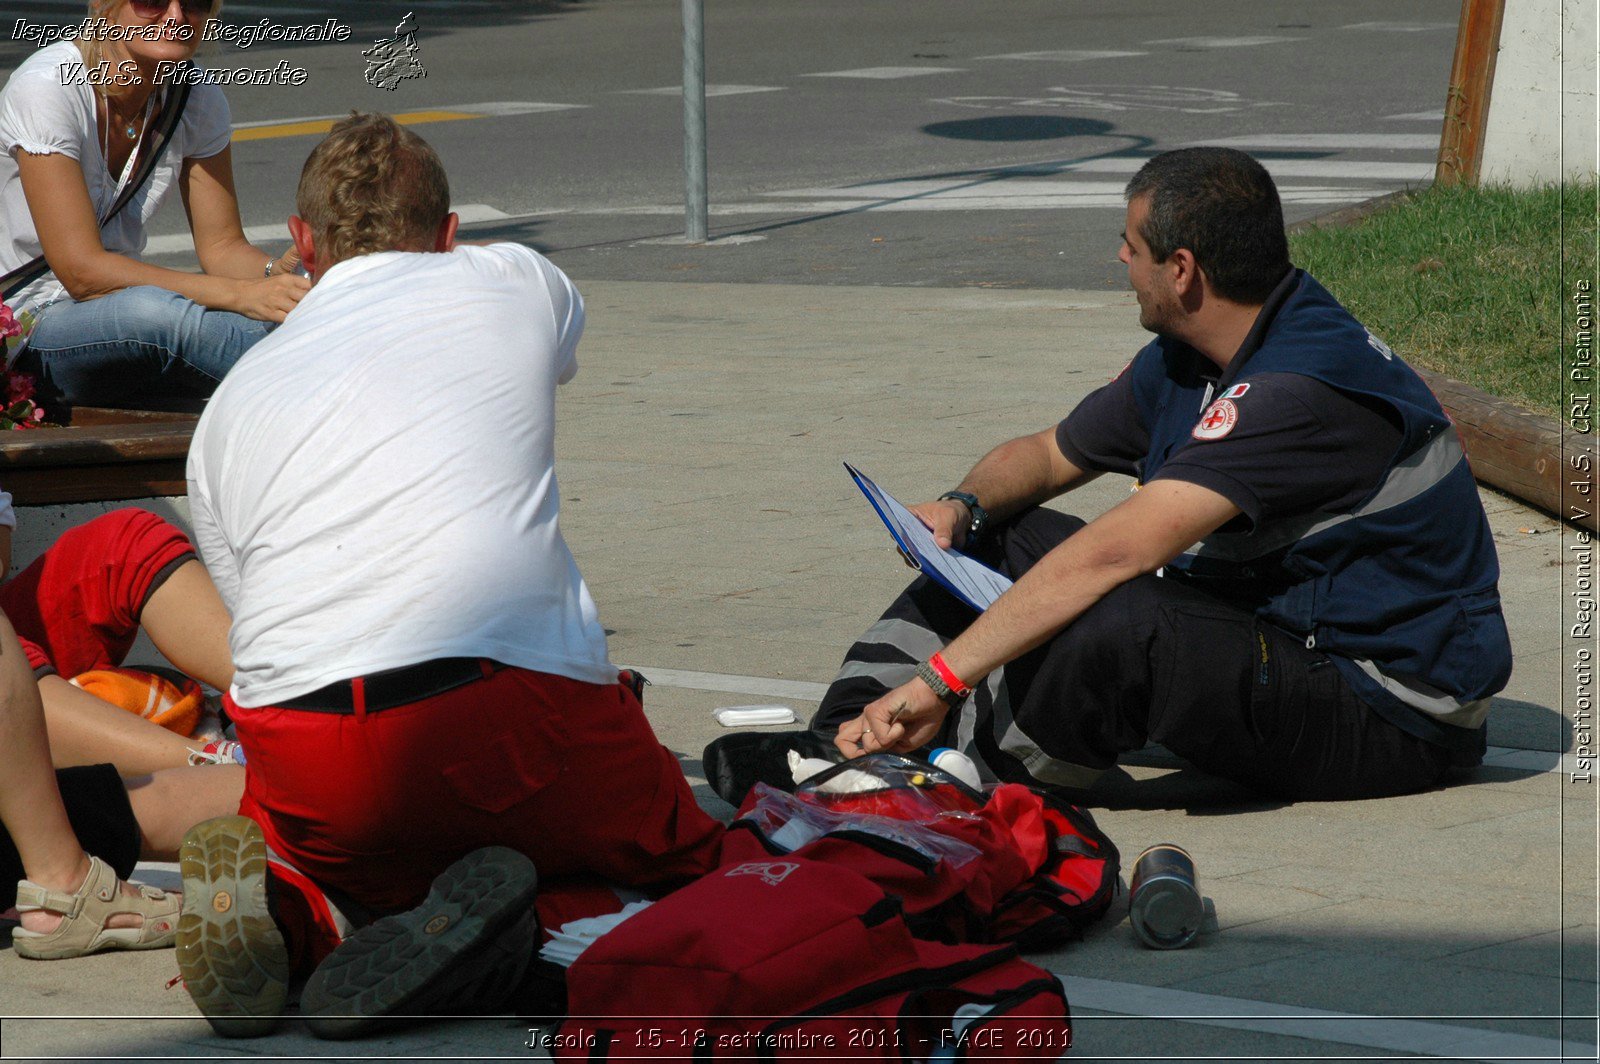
x=102 y=913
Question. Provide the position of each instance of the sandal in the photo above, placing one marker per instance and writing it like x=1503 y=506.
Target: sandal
x=83 y=929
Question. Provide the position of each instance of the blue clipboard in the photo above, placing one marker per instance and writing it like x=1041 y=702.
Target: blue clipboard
x=975 y=584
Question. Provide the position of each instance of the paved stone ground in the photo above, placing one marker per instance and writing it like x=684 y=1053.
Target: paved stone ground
x=734 y=561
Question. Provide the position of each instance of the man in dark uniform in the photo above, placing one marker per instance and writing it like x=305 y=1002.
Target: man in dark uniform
x=1301 y=594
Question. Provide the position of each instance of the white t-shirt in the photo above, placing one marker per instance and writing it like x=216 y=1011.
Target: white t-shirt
x=373 y=485
x=39 y=114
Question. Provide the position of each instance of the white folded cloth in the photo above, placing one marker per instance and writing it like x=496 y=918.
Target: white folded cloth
x=575 y=936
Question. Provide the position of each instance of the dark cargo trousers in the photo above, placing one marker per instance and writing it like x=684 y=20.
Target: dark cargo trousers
x=1154 y=660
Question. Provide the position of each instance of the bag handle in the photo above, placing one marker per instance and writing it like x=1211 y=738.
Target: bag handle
x=166 y=125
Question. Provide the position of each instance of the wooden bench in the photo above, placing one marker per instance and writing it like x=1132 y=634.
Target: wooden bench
x=103 y=455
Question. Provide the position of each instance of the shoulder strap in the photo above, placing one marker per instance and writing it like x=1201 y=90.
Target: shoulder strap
x=166 y=124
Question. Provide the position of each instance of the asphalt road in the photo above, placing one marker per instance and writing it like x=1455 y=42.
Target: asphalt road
x=934 y=142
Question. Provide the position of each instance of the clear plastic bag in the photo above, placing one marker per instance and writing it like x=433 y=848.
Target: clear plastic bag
x=893 y=797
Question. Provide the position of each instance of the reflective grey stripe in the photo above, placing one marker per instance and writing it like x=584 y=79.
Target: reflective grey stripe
x=1430 y=700
x=1426 y=467
x=913 y=640
x=1040 y=765
x=889 y=673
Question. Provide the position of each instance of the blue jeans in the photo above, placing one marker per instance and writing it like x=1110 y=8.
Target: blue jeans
x=139 y=345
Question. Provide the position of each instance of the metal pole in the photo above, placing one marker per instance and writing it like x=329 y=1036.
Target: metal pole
x=694 y=121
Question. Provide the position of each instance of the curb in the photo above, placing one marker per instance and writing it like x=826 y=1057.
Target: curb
x=1511 y=449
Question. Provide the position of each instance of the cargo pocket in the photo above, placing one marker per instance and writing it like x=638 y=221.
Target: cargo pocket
x=674 y=834
x=507 y=770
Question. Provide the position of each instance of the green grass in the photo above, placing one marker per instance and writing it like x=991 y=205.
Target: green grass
x=1465 y=282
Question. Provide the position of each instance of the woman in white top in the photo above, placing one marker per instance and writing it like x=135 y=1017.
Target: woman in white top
x=112 y=330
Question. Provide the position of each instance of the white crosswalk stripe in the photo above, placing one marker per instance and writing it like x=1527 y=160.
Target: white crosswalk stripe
x=1327 y=141
x=711 y=90
x=884 y=73
x=1066 y=55
x=1223 y=42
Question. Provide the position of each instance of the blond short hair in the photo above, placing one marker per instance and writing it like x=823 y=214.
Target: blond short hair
x=93 y=49
x=371 y=186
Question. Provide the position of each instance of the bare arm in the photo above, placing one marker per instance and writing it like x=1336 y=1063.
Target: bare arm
x=212 y=206
x=1137 y=536
x=1017 y=474
x=64 y=216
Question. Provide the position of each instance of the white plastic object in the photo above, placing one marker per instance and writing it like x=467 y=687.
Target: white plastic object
x=958 y=765
x=750 y=716
x=803 y=768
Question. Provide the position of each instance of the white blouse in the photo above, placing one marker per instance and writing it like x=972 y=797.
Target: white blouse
x=41 y=115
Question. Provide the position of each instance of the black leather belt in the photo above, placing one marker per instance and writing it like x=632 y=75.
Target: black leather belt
x=395 y=687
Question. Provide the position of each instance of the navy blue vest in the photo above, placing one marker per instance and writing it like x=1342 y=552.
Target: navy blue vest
x=1400 y=590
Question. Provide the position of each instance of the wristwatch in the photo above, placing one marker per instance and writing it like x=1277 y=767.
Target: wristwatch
x=980 y=516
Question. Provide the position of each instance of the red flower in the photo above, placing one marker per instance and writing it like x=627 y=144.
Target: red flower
x=8 y=323
x=20 y=386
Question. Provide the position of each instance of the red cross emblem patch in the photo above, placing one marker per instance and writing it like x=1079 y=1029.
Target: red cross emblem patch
x=1218 y=420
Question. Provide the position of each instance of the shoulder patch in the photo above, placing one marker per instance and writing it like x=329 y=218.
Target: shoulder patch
x=1218 y=420
x=1236 y=391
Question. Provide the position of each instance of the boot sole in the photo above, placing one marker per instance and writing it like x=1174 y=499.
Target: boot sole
x=379 y=971
x=230 y=952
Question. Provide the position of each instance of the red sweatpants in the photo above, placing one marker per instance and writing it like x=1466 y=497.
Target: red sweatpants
x=376 y=805
x=77 y=606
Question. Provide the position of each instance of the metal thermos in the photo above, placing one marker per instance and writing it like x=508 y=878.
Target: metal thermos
x=1164 y=906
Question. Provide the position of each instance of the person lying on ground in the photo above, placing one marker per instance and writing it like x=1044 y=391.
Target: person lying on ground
x=111 y=330
x=1301 y=596
x=79 y=606
x=423 y=685
x=70 y=903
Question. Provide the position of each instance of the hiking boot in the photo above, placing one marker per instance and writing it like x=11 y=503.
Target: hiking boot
x=230 y=952
x=463 y=950
x=735 y=763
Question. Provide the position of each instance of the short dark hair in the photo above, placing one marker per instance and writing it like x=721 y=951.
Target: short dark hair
x=1222 y=205
x=372 y=185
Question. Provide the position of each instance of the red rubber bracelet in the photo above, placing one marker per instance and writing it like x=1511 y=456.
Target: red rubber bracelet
x=948 y=675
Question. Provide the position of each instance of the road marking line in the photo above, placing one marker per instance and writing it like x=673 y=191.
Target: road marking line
x=1424 y=1038
x=744 y=685
x=1322 y=141
x=1065 y=55
x=322 y=125
x=1400 y=27
x=1336 y=169
x=1224 y=42
x=711 y=90
x=176 y=243
x=308 y=124
x=886 y=72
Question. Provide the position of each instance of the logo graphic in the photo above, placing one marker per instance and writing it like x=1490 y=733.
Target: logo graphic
x=771 y=872
x=1234 y=392
x=1217 y=421
x=394 y=59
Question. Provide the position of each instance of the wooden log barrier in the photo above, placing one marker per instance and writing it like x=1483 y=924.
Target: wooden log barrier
x=1521 y=453
x=105 y=455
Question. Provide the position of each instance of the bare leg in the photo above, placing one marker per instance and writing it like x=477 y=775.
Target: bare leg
x=188 y=623
x=30 y=803
x=85 y=730
x=170 y=802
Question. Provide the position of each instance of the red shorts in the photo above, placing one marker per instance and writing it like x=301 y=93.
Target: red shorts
x=77 y=606
x=376 y=805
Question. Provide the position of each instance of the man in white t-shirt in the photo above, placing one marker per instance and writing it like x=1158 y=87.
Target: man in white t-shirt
x=421 y=672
